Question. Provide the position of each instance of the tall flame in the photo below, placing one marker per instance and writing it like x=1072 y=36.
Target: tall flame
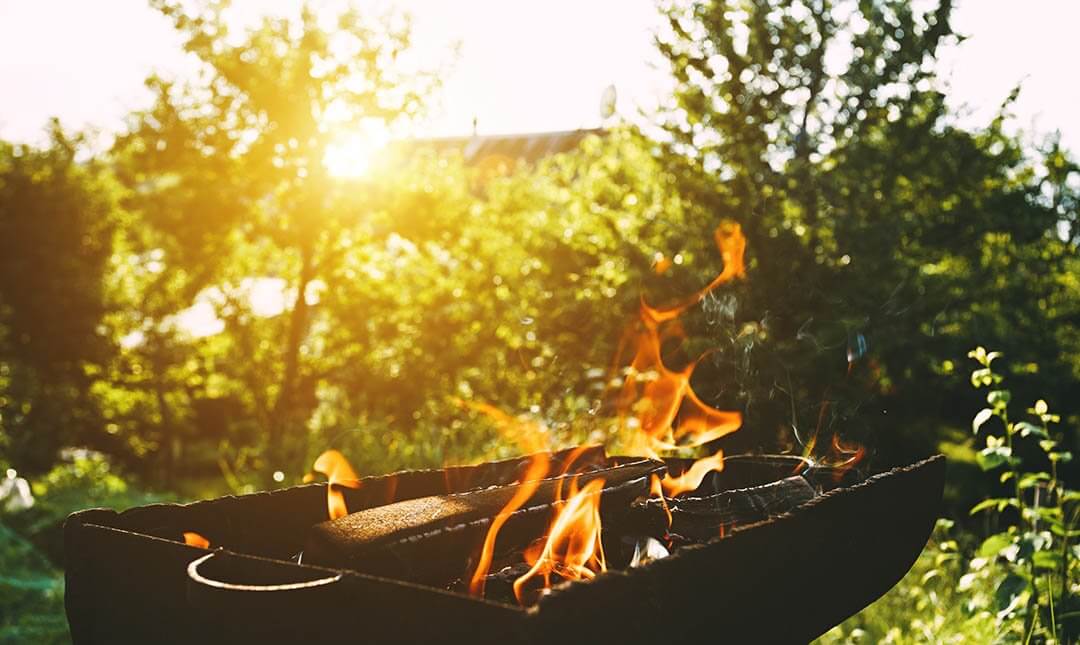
x=658 y=402
x=531 y=437
x=338 y=472
x=538 y=467
x=660 y=407
x=573 y=550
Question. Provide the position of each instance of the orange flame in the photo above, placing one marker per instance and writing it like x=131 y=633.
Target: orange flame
x=530 y=435
x=693 y=477
x=573 y=550
x=538 y=467
x=656 y=489
x=732 y=245
x=661 y=263
x=661 y=404
x=338 y=472
x=849 y=455
x=658 y=404
x=192 y=538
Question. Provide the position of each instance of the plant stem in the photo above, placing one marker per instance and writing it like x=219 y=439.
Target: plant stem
x=1050 y=593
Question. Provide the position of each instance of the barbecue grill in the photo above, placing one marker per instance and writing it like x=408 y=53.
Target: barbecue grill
x=771 y=549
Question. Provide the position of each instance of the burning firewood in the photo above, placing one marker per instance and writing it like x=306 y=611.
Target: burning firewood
x=431 y=539
x=703 y=518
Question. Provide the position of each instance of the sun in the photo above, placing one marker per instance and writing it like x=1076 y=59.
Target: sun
x=350 y=154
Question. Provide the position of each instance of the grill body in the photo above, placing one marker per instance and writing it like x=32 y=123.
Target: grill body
x=787 y=579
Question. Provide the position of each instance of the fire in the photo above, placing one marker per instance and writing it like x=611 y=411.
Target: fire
x=531 y=436
x=192 y=538
x=573 y=550
x=656 y=489
x=538 y=467
x=693 y=477
x=848 y=455
x=338 y=472
x=665 y=411
x=657 y=403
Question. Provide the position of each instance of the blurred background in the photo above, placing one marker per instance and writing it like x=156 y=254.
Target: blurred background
x=234 y=235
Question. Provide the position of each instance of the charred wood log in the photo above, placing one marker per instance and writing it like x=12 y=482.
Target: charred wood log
x=431 y=539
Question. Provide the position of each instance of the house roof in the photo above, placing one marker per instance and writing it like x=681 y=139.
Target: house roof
x=482 y=150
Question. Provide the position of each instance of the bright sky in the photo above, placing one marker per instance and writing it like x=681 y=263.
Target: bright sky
x=523 y=65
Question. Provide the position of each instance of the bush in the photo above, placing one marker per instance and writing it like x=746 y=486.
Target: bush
x=31 y=544
x=1019 y=584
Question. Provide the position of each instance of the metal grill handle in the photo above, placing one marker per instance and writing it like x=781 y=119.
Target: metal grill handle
x=223 y=583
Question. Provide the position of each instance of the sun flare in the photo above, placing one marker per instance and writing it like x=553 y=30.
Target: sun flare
x=352 y=154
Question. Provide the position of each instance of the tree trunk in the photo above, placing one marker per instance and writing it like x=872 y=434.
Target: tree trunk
x=285 y=418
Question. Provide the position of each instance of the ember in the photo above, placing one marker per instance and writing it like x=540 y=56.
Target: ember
x=194 y=539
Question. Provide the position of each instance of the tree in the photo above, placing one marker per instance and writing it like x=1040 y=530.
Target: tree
x=883 y=237
x=57 y=221
x=229 y=173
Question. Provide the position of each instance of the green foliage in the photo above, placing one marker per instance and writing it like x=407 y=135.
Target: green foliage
x=31 y=594
x=1019 y=584
x=57 y=218
x=1036 y=548
x=877 y=228
x=943 y=599
x=31 y=544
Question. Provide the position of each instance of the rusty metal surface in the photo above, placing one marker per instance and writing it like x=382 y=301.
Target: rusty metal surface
x=786 y=579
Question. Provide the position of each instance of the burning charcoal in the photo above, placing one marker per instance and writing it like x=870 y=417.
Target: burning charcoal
x=431 y=539
x=704 y=518
x=499 y=586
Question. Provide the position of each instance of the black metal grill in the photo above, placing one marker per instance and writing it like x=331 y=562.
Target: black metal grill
x=801 y=563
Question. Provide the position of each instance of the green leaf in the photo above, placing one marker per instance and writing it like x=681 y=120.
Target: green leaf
x=1060 y=531
x=1049 y=514
x=993 y=457
x=1026 y=429
x=998 y=398
x=994 y=544
x=982 y=417
x=999 y=502
x=1040 y=407
x=979 y=354
x=1047 y=445
x=1032 y=479
x=1010 y=590
x=1006 y=476
x=1047 y=559
x=1032 y=542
